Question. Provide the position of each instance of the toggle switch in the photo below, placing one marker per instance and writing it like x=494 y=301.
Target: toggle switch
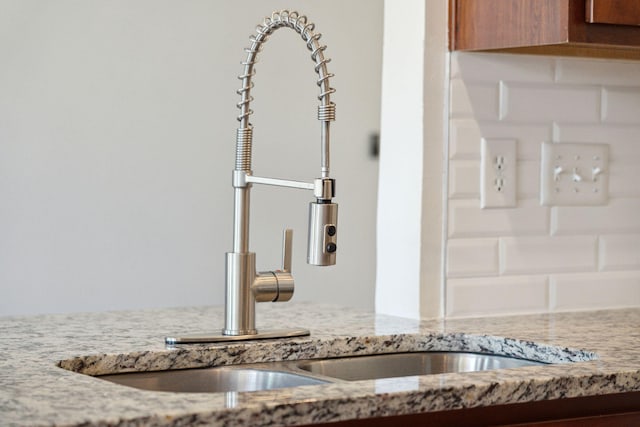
x=576 y=176
x=557 y=171
x=595 y=171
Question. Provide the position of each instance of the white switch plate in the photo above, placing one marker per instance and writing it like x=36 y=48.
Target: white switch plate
x=498 y=173
x=574 y=174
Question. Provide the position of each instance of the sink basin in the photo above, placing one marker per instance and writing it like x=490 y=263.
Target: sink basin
x=213 y=380
x=274 y=375
x=408 y=364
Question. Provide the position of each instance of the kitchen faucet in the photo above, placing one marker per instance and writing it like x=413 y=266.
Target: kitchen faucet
x=244 y=286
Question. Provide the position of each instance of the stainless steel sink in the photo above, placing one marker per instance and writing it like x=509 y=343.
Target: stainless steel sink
x=274 y=375
x=408 y=364
x=213 y=380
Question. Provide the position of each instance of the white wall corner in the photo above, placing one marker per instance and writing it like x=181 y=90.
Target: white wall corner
x=409 y=276
x=435 y=159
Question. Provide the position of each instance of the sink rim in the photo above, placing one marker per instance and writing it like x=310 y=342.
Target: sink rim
x=294 y=369
x=204 y=356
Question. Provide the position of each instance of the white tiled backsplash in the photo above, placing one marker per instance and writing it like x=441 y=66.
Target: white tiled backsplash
x=535 y=258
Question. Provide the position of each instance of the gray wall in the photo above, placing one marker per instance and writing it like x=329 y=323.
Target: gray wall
x=117 y=125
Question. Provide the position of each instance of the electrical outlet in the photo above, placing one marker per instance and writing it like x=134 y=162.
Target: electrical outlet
x=498 y=173
x=574 y=174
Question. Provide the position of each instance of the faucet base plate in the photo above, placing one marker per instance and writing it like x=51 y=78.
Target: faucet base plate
x=206 y=338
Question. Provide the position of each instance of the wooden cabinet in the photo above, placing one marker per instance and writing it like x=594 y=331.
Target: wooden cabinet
x=600 y=28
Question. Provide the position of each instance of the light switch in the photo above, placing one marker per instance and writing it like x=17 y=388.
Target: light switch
x=574 y=174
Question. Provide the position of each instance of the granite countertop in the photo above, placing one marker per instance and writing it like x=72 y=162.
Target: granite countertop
x=35 y=390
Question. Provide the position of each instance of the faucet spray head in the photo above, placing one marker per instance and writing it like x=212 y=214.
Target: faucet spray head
x=323 y=233
x=323 y=224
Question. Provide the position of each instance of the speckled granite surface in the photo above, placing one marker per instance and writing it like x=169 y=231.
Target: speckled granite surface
x=35 y=391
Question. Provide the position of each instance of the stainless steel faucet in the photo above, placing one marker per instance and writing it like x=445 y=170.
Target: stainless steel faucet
x=245 y=286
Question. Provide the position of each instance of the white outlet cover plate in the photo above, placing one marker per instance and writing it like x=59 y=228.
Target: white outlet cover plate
x=493 y=195
x=567 y=174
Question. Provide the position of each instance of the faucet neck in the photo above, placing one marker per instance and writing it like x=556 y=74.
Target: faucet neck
x=326 y=109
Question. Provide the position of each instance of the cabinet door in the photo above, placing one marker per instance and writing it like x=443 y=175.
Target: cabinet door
x=617 y=12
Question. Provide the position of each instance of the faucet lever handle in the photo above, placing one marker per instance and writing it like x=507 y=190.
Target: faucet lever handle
x=287 y=248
